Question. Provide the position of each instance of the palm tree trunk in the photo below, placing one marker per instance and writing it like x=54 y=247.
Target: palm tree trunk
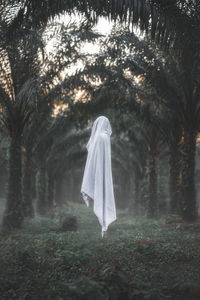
x=58 y=191
x=187 y=175
x=50 y=192
x=124 y=191
x=137 y=194
x=41 y=202
x=33 y=185
x=137 y=197
x=128 y=191
x=27 y=185
x=174 y=185
x=152 y=209
x=13 y=215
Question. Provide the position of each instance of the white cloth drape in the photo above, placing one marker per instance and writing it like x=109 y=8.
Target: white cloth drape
x=97 y=179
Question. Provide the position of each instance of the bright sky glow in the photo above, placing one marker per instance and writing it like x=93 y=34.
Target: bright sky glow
x=90 y=48
x=103 y=26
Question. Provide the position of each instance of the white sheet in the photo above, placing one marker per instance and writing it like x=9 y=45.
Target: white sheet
x=97 y=179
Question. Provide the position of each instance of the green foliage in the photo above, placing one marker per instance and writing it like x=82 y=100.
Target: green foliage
x=139 y=259
x=166 y=22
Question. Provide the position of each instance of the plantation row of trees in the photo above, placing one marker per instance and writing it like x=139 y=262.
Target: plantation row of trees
x=148 y=86
x=31 y=89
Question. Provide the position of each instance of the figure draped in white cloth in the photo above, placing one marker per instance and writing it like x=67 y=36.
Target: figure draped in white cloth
x=97 y=179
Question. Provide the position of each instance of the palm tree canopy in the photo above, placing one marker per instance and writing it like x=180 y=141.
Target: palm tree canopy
x=169 y=21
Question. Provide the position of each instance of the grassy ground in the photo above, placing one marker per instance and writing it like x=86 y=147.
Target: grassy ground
x=139 y=259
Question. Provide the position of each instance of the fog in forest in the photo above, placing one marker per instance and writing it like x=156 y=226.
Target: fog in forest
x=68 y=184
x=125 y=76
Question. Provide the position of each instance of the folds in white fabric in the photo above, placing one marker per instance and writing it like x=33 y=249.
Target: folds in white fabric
x=97 y=179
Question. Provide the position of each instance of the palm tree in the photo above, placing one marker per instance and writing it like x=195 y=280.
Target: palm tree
x=122 y=166
x=181 y=96
x=173 y=24
x=22 y=81
x=172 y=132
x=42 y=150
x=166 y=79
x=66 y=151
x=18 y=94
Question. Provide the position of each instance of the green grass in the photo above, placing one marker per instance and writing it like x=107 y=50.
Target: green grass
x=139 y=259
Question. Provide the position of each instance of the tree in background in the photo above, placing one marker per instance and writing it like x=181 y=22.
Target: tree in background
x=174 y=26
x=163 y=77
x=18 y=95
x=29 y=96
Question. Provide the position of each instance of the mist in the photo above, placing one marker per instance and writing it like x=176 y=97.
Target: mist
x=136 y=65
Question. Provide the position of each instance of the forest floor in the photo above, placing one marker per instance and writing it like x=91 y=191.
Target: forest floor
x=139 y=259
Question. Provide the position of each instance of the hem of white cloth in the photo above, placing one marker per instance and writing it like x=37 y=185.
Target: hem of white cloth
x=86 y=198
x=103 y=231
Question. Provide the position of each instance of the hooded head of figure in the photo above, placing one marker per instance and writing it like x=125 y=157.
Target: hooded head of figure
x=101 y=125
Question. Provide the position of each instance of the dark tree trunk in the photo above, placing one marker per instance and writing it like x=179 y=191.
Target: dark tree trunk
x=13 y=215
x=27 y=186
x=128 y=191
x=58 y=191
x=187 y=174
x=70 y=187
x=137 y=194
x=152 y=209
x=33 y=185
x=123 y=194
x=174 y=184
x=50 y=192
x=41 y=192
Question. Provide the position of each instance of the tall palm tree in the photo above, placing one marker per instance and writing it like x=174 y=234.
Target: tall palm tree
x=166 y=79
x=181 y=95
x=18 y=95
x=25 y=82
x=68 y=150
x=171 y=23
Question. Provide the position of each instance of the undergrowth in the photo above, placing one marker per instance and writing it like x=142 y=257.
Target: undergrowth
x=139 y=259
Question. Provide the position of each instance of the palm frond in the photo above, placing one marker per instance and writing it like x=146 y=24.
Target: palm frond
x=168 y=21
